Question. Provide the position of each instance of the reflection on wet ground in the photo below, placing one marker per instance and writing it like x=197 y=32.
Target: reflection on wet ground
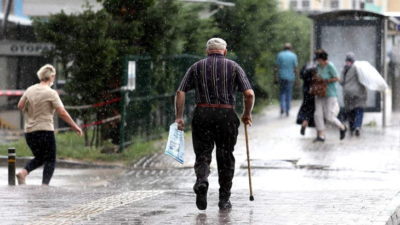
x=70 y=178
x=224 y=217
x=294 y=182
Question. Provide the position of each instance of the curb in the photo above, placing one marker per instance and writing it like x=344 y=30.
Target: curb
x=391 y=215
x=61 y=163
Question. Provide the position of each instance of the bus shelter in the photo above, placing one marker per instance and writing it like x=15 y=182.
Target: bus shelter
x=366 y=35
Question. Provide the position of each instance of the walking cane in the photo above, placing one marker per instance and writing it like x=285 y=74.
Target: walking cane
x=248 y=163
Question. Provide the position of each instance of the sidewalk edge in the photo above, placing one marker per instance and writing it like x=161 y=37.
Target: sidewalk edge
x=391 y=215
x=61 y=163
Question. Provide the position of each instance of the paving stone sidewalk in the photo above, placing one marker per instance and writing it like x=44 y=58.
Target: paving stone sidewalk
x=275 y=142
x=295 y=181
x=103 y=206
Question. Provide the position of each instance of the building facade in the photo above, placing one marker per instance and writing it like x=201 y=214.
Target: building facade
x=378 y=6
x=21 y=55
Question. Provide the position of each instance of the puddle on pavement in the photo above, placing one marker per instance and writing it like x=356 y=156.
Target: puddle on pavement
x=271 y=164
x=313 y=167
x=153 y=213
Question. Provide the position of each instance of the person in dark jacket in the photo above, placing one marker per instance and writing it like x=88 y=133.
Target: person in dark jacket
x=215 y=80
x=305 y=116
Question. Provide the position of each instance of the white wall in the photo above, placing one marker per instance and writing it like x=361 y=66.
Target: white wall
x=43 y=8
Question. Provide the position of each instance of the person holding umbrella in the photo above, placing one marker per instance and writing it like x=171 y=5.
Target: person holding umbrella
x=215 y=80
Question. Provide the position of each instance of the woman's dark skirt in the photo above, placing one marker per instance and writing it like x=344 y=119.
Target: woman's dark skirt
x=307 y=110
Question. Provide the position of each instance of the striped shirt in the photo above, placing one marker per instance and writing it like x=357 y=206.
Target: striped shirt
x=215 y=80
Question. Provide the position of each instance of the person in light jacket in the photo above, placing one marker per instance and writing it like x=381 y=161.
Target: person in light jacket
x=355 y=95
x=325 y=106
x=286 y=75
x=38 y=104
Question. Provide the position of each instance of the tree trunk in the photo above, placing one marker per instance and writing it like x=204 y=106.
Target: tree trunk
x=93 y=135
x=101 y=136
x=85 y=133
x=97 y=129
x=97 y=136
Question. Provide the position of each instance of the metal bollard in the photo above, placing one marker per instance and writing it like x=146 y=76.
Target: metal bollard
x=11 y=166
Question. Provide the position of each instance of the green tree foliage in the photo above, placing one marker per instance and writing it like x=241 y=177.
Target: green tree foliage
x=197 y=31
x=128 y=10
x=168 y=28
x=87 y=53
x=249 y=29
x=91 y=45
x=293 y=28
x=256 y=31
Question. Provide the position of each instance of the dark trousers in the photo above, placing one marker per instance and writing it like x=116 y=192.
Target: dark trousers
x=356 y=118
x=43 y=147
x=220 y=127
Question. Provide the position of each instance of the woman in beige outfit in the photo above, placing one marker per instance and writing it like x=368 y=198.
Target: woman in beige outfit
x=39 y=103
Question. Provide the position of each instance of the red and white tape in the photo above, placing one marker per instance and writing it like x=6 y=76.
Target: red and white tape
x=18 y=93
x=93 y=123
x=12 y=92
x=21 y=132
x=94 y=105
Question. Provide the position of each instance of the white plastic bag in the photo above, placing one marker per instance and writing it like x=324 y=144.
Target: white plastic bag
x=176 y=143
x=369 y=76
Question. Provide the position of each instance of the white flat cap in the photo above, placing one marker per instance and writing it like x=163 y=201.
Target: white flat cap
x=216 y=44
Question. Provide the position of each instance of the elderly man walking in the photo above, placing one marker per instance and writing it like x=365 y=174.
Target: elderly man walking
x=215 y=80
x=286 y=71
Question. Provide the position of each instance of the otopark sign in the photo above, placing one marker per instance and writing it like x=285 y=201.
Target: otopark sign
x=24 y=49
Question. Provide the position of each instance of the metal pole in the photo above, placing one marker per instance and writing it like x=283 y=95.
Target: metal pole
x=123 y=102
x=385 y=26
x=312 y=40
x=11 y=166
x=5 y=19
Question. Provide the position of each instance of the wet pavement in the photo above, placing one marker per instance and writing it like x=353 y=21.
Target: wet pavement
x=295 y=181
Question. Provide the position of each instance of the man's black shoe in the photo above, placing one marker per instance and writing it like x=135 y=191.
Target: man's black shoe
x=319 y=139
x=343 y=133
x=201 y=198
x=224 y=205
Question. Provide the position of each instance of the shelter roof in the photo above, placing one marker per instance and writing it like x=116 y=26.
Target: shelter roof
x=348 y=15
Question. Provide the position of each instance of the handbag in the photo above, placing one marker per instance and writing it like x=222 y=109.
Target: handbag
x=318 y=87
